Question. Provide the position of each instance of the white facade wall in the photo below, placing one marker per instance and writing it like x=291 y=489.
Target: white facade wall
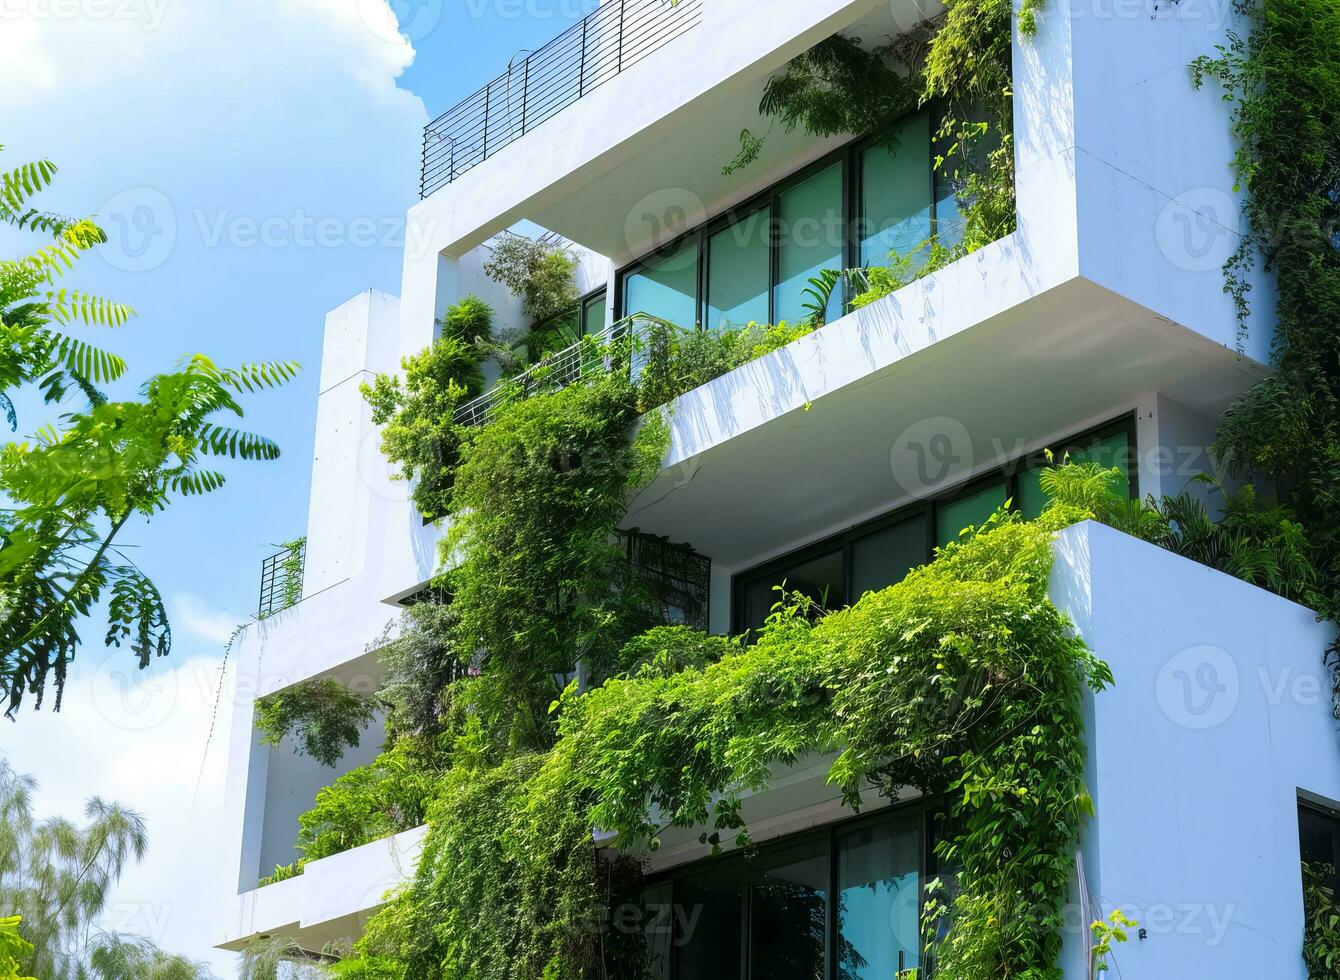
x=1106 y=302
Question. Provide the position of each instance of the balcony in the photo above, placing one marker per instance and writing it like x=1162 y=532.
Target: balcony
x=581 y=59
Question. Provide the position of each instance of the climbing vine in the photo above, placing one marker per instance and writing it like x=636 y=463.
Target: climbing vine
x=1283 y=82
x=963 y=681
x=321 y=715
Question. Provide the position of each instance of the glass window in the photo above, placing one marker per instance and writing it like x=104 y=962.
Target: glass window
x=896 y=194
x=788 y=914
x=658 y=924
x=969 y=510
x=821 y=578
x=880 y=559
x=710 y=923
x=1114 y=450
x=593 y=317
x=810 y=236
x=666 y=286
x=739 y=271
x=879 y=900
x=1109 y=452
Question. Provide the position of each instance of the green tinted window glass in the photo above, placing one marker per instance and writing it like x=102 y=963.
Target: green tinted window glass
x=738 y=272
x=593 y=317
x=666 y=287
x=968 y=511
x=1028 y=495
x=884 y=557
x=1109 y=452
x=809 y=240
x=896 y=194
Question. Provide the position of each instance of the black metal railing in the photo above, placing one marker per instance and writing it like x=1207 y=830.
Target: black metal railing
x=281 y=579
x=584 y=57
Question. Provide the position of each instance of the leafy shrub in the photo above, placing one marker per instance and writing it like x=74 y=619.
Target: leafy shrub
x=385 y=797
x=677 y=361
x=1257 y=541
x=323 y=716
x=421 y=662
x=417 y=415
x=543 y=275
x=1321 y=921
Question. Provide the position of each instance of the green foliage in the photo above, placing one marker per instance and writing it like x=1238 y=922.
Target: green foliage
x=421 y=662
x=416 y=415
x=542 y=274
x=677 y=361
x=282 y=872
x=836 y=87
x=1106 y=932
x=70 y=492
x=1321 y=921
x=1258 y=541
x=963 y=680
x=292 y=567
x=537 y=496
x=385 y=797
x=1283 y=83
x=57 y=874
x=13 y=949
x=321 y=714
x=32 y=350
x=120 y=958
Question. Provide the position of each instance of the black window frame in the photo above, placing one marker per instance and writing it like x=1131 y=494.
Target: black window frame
x=1320 y=807
x=924 y=809
x=1008 y=474
x=849 y=155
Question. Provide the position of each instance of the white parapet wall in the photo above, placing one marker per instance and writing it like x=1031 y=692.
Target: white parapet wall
x=1220 y=716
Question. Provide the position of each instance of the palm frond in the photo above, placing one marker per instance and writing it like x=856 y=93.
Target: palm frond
x=217 y=440
x=67 y=305
x=196 y=483
x=87 y=361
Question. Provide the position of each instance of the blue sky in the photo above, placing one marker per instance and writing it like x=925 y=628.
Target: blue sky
x=252 y=161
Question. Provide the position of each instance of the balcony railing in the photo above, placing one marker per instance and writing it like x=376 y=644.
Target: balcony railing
x=617 y=347
x=281 y=579
x=584 y=57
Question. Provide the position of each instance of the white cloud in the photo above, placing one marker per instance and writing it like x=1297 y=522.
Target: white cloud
x=139 y=738
x=193 y=615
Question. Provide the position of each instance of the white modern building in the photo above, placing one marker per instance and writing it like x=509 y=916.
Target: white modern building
x=1100 y=326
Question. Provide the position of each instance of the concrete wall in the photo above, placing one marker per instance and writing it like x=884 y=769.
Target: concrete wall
x=1220 y=715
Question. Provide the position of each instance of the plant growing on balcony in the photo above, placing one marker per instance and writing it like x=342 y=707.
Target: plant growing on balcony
x=542 y=274
x=963 y=680
x=418 y=428
x=322 y=716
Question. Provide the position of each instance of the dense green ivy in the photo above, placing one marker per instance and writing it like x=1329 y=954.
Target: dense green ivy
x=417 y=413
x=963 y=681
